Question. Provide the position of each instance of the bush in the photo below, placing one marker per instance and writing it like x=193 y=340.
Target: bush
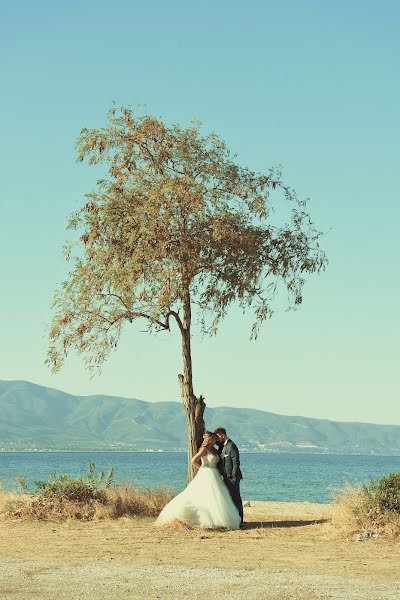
x=63 y=497
x=382 y=495
x=75 y=490
x=370 y=509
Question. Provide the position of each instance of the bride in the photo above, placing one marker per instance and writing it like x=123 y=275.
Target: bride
x=206 y=501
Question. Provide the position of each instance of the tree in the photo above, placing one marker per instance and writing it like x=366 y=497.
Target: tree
x=175 y=223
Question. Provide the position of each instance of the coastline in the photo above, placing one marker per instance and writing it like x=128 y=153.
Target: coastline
x=162 y=451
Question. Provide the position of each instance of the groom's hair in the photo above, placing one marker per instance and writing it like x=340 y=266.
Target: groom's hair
x=220 y=430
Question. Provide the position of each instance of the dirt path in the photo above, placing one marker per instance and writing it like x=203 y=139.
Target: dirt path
x=287 y=551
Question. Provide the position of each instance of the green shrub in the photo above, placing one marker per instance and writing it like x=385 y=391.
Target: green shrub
x=63 y=487
x=85 y=498
x=374 y=507
x=382 y=495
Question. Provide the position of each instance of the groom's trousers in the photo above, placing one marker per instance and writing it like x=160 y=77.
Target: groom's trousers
x=234 y=490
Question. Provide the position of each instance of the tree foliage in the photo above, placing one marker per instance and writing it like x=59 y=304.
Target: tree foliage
x=176 y=222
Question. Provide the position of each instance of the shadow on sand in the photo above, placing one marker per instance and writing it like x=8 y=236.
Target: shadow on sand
x=270 y=524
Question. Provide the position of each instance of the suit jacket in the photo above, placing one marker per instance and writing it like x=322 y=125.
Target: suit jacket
x=229 y=465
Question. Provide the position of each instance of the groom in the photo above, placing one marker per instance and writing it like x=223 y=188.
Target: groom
x=230 y=467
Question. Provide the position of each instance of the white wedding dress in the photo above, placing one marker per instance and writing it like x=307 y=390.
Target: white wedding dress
x=206 y=501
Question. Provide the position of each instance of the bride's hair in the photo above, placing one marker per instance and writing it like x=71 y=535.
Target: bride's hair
x=207 y=435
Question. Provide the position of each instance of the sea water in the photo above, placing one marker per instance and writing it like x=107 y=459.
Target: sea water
x=271 y=477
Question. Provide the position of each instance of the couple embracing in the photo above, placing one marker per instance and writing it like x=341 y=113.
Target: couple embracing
x=212 y=499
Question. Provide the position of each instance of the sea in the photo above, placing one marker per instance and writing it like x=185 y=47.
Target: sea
x=268 y=477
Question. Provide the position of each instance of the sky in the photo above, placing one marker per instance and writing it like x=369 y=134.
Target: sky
x=311 y=85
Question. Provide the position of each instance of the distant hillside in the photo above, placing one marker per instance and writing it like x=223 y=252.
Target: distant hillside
x=33 y=416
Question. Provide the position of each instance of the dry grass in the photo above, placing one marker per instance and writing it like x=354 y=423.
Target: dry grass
x=282 y=539
x=125 y=500
x=345 y=508
x=353 y=515
x=176 y=526
x=113 y=503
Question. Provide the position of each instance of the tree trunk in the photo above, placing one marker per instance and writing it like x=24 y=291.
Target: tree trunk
x=193 y=407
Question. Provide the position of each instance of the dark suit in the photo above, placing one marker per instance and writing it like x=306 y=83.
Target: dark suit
x=229 y=466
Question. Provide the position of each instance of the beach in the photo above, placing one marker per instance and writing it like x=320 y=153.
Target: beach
x=286 y=551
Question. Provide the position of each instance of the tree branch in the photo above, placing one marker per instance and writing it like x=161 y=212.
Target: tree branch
x=177 y=319
x=135 y=315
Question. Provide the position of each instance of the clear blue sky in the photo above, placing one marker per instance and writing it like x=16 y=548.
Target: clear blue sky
x=313 y=85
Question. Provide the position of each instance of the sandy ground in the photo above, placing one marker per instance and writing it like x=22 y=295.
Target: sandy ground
x=286 y=551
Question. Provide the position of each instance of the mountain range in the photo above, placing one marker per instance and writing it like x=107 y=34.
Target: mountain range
x=38 y=417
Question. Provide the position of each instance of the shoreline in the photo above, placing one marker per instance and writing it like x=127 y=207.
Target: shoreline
x=243 y=451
